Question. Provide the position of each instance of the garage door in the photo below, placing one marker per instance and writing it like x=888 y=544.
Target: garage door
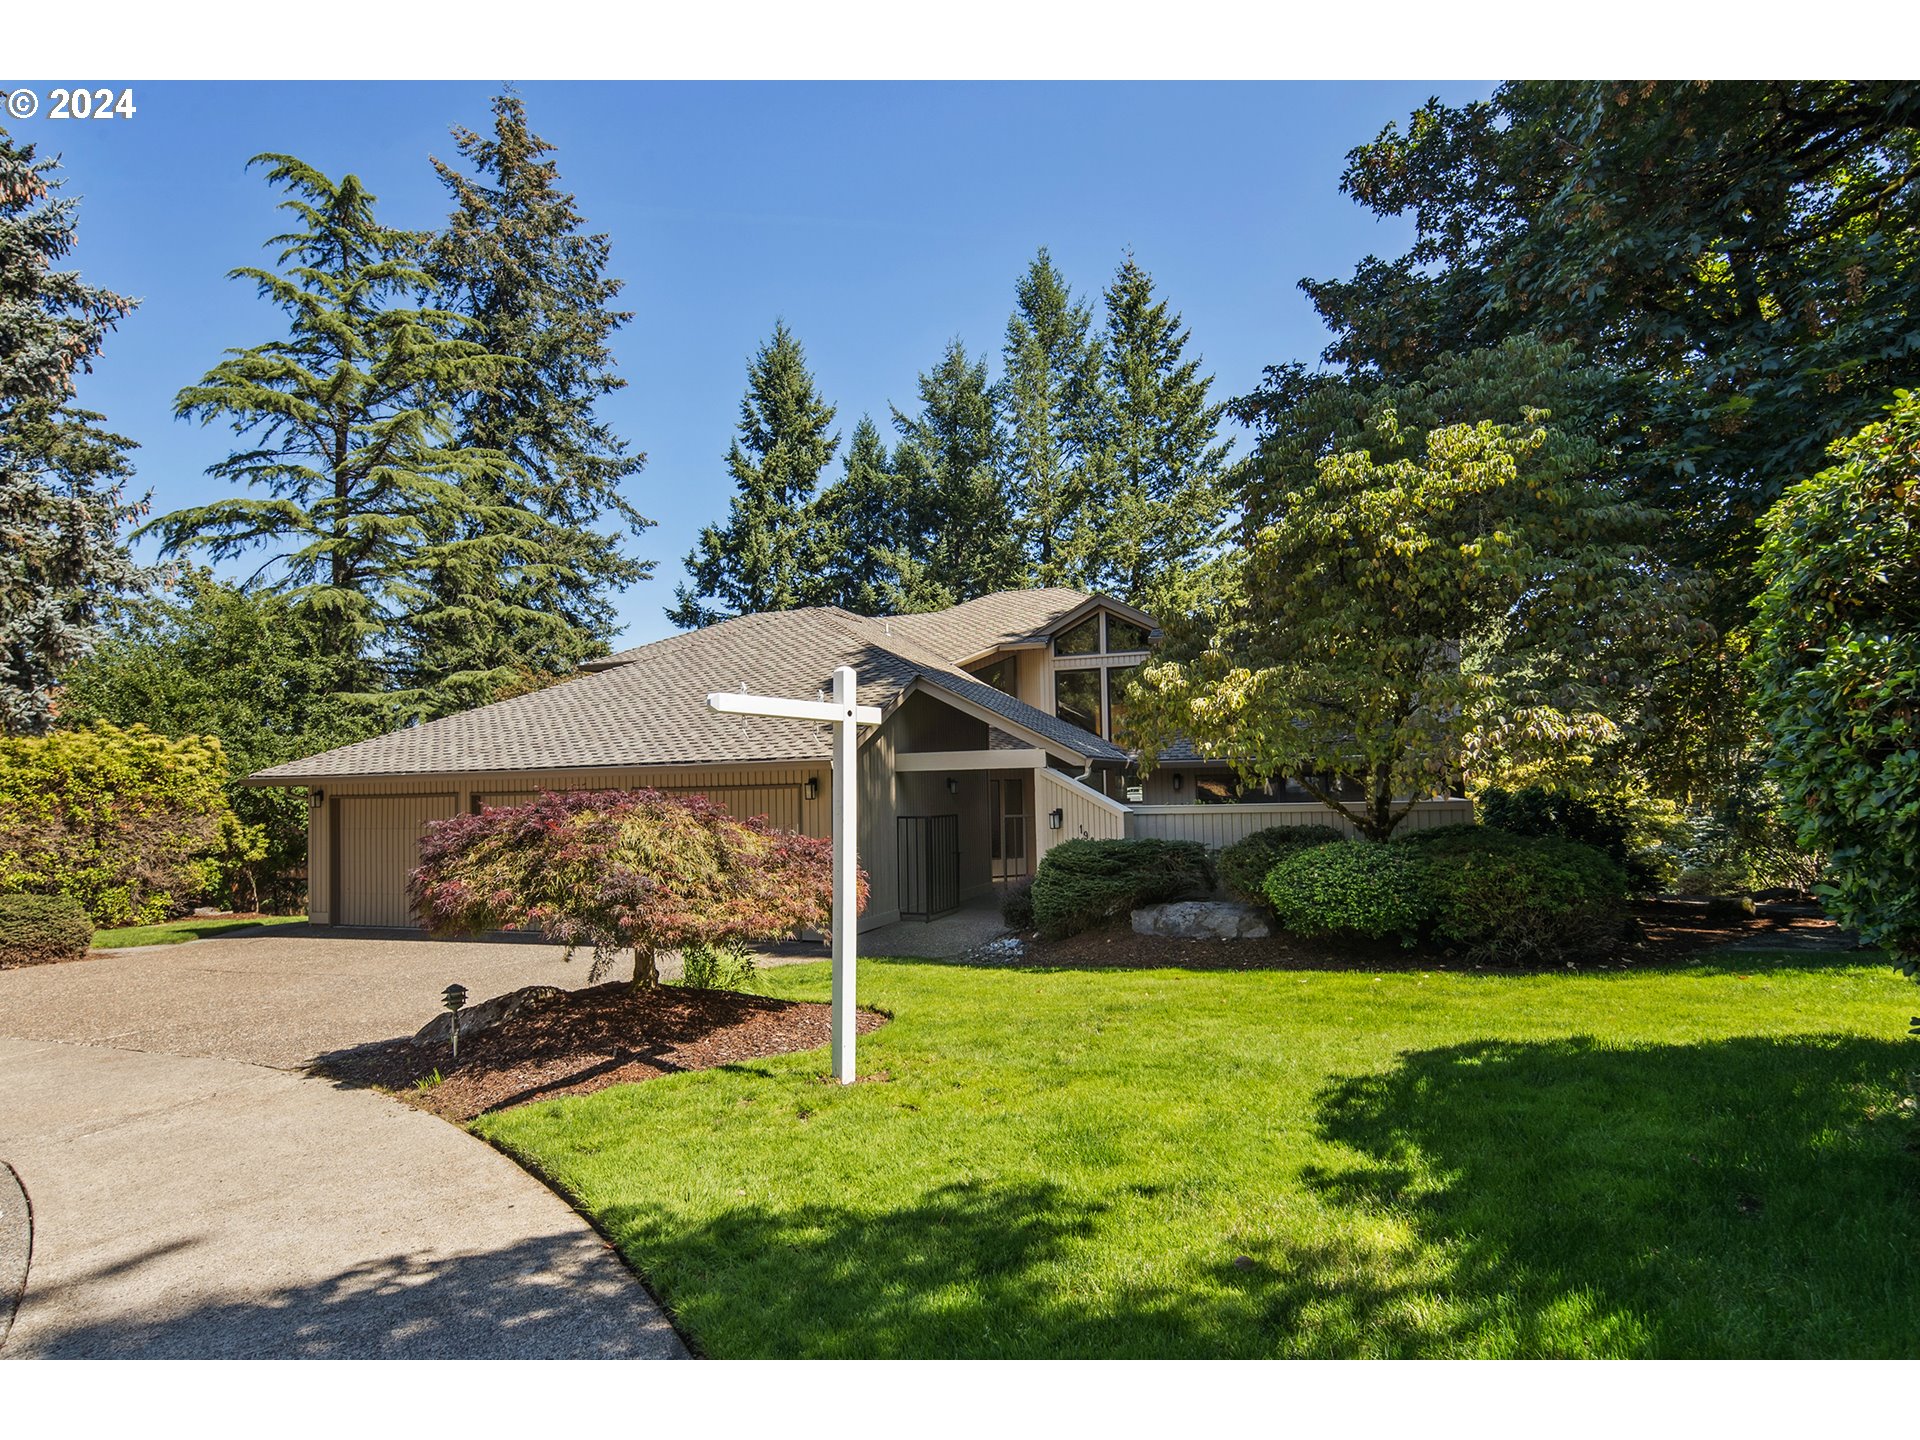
x=378 y=842
x=780 y=804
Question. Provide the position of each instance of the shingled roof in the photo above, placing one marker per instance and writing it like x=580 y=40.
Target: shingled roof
x=647 y=706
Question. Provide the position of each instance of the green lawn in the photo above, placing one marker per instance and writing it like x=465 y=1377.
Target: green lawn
x=1715 y=1160
x=173 y=932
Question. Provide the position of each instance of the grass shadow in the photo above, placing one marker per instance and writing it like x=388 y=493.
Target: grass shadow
x=1751 y=1196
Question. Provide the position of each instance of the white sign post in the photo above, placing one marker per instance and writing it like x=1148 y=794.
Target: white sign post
x=846 y=717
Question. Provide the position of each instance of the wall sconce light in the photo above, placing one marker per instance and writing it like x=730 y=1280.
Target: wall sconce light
x=813 y=787
x=1055 y=818
x=1178 y=781
x=319 y=797
x=953 y=786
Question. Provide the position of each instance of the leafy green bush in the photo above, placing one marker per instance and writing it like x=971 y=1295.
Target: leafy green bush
x=716 y=967
x=131 y=825
x=1085 y=883
x=1519 y=899
x=39 y=929
x=1016 y=906
x=1606 y=825
x=1245 y=864
x=1354 y=888
x=1837 y=670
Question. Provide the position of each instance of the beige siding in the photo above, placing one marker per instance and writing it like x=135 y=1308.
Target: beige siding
x=778 y=789
x=1221 y=825
x=781 y=806
x=1084 y=814
x=380 y=843
x=875 y=844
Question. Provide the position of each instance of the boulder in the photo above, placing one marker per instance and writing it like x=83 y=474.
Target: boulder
x=1202 y=920
x=485 y=1015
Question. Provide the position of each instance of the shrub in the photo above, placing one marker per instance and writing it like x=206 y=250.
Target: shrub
x=39 y=929
x=1016 y=906
x=623 y=870
x=1606 y=825
x=1245 y=864
x=1086 y=883
x=1354 y=888
x=716 y=967
x=1517 y=899
x=1836 y=662
x=131 y=825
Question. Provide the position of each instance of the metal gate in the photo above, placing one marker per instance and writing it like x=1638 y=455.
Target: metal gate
x=929 y=866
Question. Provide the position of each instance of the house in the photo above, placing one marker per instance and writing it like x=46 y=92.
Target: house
x=997 y=743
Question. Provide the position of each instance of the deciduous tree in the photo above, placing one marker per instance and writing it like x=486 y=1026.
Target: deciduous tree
x=1837 y=665
x=634 y=870
x=1426 y=609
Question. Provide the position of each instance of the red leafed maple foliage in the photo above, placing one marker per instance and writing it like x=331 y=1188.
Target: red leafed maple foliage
x=623 y=870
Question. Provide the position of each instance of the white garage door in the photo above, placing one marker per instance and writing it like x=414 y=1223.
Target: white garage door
x=378 y=843
x=780 y=804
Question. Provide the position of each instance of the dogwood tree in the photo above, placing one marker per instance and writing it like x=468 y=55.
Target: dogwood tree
x=1425 y=610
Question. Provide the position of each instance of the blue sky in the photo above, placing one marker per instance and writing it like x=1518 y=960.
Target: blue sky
x=880 y=220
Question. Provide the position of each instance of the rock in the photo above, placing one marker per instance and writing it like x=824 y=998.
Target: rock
x=485 y=1015
x=1202 y=920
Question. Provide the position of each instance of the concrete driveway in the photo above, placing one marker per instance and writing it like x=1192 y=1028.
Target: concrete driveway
x=195 y=1193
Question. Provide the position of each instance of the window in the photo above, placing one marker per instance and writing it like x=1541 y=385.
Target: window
x=1082 y=639
x=1117 y=678
x=1124 y=635
x=1076 y=698
x=1000 y=674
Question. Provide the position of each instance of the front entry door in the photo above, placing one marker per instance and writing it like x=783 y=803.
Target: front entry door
x=1007 y=797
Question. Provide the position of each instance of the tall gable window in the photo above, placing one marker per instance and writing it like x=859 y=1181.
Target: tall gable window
x=1087 y=685
x=1082 y=639
x=1076 y=698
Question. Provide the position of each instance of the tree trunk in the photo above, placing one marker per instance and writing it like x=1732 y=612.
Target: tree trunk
x=646 y=969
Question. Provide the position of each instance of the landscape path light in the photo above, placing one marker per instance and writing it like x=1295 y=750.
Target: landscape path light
x=454 y=998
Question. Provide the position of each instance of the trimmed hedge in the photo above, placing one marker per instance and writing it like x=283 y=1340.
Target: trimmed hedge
x=40 y=929
x=1504 y=898
x=1520 y=899
x=1538 y=811
x=1086 y=883
x=1355 y=888
x=1245 y=864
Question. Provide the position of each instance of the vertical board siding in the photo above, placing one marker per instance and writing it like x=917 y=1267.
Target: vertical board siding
x=1217 y=826
x=1085 y=814
x=779 y=805
x=334 y=840
x=380 y=843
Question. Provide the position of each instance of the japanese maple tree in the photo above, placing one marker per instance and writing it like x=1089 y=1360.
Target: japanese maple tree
x=631 y=870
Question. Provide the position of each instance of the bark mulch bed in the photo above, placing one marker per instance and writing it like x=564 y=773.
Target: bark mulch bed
x=585 y=1040
x=1672 y=933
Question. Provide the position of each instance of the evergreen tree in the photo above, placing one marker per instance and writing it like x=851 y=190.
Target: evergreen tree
x=962 y=540
x=1053 y=397
x=758 y=560
x=61 y=472
x=378 y=519
x=857 y=531
x=1160 y=519
x=515 y=259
